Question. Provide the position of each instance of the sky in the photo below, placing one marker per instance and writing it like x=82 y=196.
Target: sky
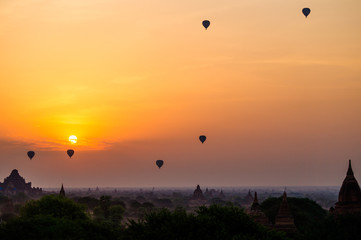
x=278 y=95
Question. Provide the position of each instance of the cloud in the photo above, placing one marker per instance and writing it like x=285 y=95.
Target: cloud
x=14 y=144
x=47 y=145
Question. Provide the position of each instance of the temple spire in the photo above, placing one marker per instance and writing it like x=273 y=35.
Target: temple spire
x=255 y=200
x=256 y=212
x=349 y=170
x=349 y=197
x=284 y=220
x=255 y=204
x=62 y=192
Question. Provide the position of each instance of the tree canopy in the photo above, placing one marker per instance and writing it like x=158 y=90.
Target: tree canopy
x=54 y=217
x=214 y=222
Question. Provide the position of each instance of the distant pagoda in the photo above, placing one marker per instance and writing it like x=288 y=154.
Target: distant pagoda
x=62 y=192
x=15 y=184
x=255 y=205
x=248 y=200
x=349 y=197
x=197 y=198
x=221 y=195
x=256 y=212
x=284 y=220
x=207 y=193
x=198 y=194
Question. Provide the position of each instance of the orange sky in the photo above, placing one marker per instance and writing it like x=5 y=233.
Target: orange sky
x=277 y=95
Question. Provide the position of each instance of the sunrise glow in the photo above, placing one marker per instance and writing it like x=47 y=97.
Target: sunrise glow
x=138 y=81
x=73 y=139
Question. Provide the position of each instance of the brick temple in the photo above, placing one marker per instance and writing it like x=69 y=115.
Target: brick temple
x=349 y=197
x=15 y=183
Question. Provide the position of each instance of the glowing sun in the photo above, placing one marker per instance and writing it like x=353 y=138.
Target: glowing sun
x=73 y=139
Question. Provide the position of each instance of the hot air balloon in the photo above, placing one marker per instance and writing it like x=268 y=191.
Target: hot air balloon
x=31 y=154
x=70 y=152
x=206 y=24
x=202 y=138
x=306 y=11
x=159 y=163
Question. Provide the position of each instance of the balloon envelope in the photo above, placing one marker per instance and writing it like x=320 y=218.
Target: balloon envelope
x=159 y=163
x=206 y=23
x=31 y=154
x=306 y=11
x=70 y=152
x=202 y=138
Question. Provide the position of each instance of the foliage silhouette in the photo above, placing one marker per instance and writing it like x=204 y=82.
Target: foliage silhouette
x=214 y=222
x=55 y=217
x=54 y=206
x=306 y=213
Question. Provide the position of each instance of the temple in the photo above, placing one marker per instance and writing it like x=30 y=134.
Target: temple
x=15 y=184
x=255 y=205
x=198 y=194
x=248 y=201
x=349 y=197
x=284 y=219
x=256 y=212
x=197 y=198
x=221 y=195
x=62 y=192
x=207 y=193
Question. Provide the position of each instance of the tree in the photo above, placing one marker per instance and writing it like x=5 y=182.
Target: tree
x=134 y=204
x=117 y=201
x=163 y=202
x=148 y=205
x=55 y=217
x=89 y=202
x=54 y=206
x=47 y=227
x=7 y=216
x=116 y=214
x=214 y=222
x=98 y=214
x=307 y=213
x=337 y=227
x=105 y=205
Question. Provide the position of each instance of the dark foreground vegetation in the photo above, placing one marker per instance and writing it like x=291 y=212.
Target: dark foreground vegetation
x=57 y=217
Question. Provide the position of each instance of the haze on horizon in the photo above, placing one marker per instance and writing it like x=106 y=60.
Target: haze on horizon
x=277 y=95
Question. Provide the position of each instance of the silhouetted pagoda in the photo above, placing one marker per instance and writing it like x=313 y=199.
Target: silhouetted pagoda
x=62 y=192
x=248 y=200
x=198 y=194
x=349 y=197
x=197 y=198
x=207 y=193
x=284 y=219
x=221 y=195
x=255 y=205
x=15 y=184
x=256 y=212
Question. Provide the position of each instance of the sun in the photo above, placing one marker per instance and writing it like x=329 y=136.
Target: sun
x=73 y=139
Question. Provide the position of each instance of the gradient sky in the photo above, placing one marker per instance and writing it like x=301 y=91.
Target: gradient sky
x=277 y=95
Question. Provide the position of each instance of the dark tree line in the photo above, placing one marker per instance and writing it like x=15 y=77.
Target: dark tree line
x=56 y=217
